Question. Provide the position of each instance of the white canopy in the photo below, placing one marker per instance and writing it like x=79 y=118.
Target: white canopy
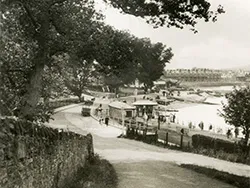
x=145 y=102
x=121 y=105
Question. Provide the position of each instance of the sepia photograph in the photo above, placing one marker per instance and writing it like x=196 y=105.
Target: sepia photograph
x=124 y=94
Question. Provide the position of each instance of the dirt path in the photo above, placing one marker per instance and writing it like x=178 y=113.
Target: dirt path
x=142 y=165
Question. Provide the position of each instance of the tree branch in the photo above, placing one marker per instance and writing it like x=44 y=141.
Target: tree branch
x=15 y=70
x=56 y=2
x=27 y=10
x=57 y=28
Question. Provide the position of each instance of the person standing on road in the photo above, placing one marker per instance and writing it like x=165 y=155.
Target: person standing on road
x=236 y=132
x=174 y=118
x=229 y=134
x=145 y=116
x=201 y=125
x=210 y=127
x=100 y=120
x=107 y=120
x=100 y=113
x=159 y=121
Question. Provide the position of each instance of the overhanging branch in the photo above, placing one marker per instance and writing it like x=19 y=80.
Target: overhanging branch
x=30 y=15
x=56 y=2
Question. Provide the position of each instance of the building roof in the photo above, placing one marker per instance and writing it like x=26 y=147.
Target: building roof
x=145 y=102
x=121 y=105
x=160 y=82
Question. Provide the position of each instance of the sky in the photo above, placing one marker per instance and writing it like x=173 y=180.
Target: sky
x=219 y=45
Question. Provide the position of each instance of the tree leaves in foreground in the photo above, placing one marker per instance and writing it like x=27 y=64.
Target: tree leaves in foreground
x=118 y=58
x=236 y=111
x=172 y=13
x=48 y=29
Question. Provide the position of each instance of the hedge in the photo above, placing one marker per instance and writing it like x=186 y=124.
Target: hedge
x=213 y=143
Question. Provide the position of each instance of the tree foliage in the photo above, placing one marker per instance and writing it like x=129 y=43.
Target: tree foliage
x=115 y=56
x=152 y=59
x=237 y=109
x=77 y=77
x=172 y=13
x=44 y=29
x=34 y=32
x=124 y=57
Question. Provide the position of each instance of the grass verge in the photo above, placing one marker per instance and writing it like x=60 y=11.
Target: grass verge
x=97 y=173
x=237 y=157
x=238 y=181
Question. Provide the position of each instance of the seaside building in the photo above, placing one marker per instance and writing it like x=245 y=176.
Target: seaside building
x=144 y=107
x=119 y=110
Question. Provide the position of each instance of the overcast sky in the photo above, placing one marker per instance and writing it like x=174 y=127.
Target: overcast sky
x=223 y=44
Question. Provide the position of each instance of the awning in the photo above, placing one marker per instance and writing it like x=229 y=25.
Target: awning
x=145 y=103
x=121 y=105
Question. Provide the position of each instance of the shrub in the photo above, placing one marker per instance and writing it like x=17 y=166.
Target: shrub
x=212 y=143
x=219 y=148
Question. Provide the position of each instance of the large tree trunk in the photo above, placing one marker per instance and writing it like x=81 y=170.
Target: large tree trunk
x=246 y=145
x=79 y=97
x=33 y=94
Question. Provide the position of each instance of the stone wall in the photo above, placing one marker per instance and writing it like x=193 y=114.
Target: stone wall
x=35 y=156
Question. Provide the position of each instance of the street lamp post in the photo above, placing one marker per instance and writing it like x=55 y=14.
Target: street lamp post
x=123 y=121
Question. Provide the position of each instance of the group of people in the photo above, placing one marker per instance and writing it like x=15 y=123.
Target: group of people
x=229 y=133
x=100 y=115
x=106 y=120
x=171 y=119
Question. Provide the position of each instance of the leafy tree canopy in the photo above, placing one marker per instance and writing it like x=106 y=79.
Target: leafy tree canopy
x=152 y=59
x=34 y=32
x=177 y=13
x=237 y=109
x=37 y=31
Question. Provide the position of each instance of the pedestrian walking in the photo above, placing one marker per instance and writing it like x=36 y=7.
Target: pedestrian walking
x=164 y=93
x=190 y=125
x=159 y=122
x=236 y=132
x=170 y=118
x=229 y=134
x=145 y=116
x=182 y=131
x=210 y=127
x=107 y=120
x=100 y=120
x=201 y=125
x=174 y=118
x=179 y=93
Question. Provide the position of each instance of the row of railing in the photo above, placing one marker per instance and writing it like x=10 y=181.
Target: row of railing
x=151 y=132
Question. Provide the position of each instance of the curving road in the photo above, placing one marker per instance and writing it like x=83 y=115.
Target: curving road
x=142 y=165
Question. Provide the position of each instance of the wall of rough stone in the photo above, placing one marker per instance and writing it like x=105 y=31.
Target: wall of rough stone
x=35 y=156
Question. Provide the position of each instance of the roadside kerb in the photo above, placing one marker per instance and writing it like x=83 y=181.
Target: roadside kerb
x=67 y=107
x=113 y=124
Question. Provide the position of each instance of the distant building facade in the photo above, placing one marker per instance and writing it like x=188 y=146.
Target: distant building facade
x=235 y=75
x=194 y=75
